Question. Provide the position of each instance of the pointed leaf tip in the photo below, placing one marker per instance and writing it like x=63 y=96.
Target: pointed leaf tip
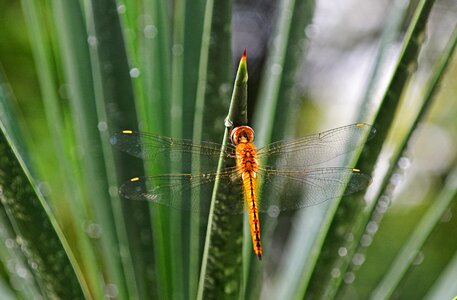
x=244 y=55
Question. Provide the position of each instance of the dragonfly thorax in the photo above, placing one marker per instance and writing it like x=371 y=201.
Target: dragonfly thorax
x=246 y=154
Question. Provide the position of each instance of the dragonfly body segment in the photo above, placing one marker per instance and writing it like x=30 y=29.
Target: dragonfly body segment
x=247 y=165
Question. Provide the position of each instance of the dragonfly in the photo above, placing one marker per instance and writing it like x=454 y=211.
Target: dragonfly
x=288 y=171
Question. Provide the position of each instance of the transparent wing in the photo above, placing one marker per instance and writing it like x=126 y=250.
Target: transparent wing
x=148 y=146
x=287 y=185
x=317 y=148
x=184 y=191
x=298 y=188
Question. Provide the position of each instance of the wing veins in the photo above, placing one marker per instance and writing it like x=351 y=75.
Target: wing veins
x=152 y=145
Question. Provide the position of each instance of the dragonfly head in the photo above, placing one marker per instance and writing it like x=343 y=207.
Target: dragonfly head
x=242 y=134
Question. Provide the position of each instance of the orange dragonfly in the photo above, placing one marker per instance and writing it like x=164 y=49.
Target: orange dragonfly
x=286 y=170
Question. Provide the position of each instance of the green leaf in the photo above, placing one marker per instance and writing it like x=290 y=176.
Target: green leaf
x=432 y=217
x=221 y=273
x=47 y=254
x=193 y=238
x=430 y=92
x=445 y=286
x=127 y=238
x=77 y=70
x=405 y=258
x=154 y=110
x=351 y=216
x=278 y=103
x=26 y=286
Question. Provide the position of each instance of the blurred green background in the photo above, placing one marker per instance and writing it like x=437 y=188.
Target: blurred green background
x=81 y=70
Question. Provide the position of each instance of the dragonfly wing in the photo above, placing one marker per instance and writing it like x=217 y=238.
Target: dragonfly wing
x=317 y=148
x=159 y=148
x=183 y=191
x=298 y=188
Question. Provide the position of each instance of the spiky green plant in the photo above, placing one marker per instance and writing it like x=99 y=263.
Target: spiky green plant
x=167 y=68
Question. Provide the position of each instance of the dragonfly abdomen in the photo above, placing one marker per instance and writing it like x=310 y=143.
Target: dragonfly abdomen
x=249 y=184
x=247 y=165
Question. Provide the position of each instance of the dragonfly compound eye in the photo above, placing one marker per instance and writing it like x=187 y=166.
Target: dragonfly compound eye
x=240 y=132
